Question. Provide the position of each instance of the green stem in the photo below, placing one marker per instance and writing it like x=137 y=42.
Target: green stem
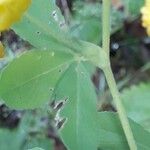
x=106 y=26
x=122 y=114
x=110 y=78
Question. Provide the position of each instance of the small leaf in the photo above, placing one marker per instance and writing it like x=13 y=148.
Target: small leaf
x=35 y=130
x=85 y=128
x=136 y=100
x=11 y=137
x=34 y=27
x=39 y=26
x=36 y=148
x=87 y=21
x=27 y=81
x=133 y=7
x=22 y=138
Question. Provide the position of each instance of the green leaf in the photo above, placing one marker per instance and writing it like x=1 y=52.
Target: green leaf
x=85 y=128
x=134 y=7
x=30 y=133
x=35 y=130
x=36 y=148
x=28 y=81
x=136 y=100
x=76 y=132
x=41 y=26
x=34 y=27
x=17 y=140
x=11 y=137
x=87 y=21
x=38 y=141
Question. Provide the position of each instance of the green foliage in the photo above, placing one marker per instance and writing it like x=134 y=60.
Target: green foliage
x=133 y=7
x=28 y=81
x=58 y=62
x=16 y=141
x=34 y=28
x=136 y=100
x=29 y=134
x=39 y=26
x=86 y=23
x=32 y=76
x=6 y=137
x=85 y=128
x=78 y=108
x=36 y=148
x=35 y=130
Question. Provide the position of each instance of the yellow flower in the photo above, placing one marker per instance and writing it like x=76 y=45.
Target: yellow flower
x=146 y=16
x=1 y=50
x=11 y=11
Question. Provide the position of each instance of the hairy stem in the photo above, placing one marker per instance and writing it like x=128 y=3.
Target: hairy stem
x=110 y=78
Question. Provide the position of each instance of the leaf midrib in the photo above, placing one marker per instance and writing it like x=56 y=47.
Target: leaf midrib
x=39 y=75
x=77 y=108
